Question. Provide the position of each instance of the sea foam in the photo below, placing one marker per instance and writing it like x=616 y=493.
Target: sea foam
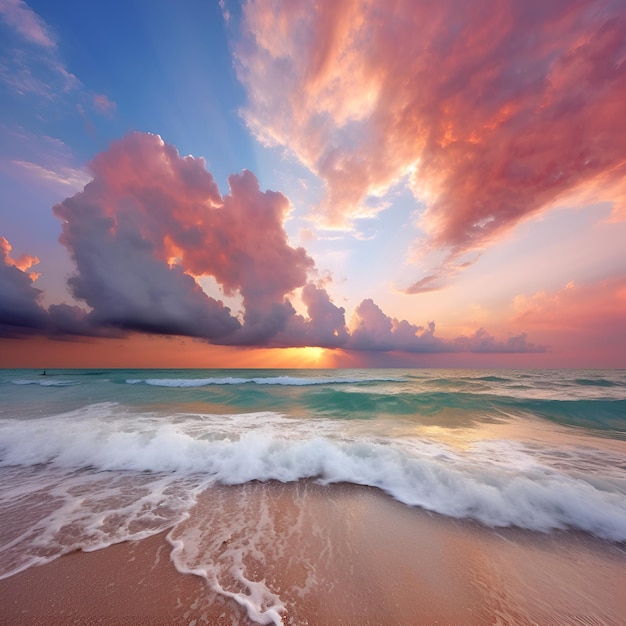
x=504 y=485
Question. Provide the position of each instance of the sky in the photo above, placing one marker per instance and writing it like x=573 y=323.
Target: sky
x=354 y=183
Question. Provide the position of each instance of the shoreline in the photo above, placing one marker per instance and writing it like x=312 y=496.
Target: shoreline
x=332 y=554
x=133 y=582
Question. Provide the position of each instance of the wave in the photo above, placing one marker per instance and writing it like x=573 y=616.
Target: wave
x=504 y=485
x=598 y=382
x=598 y=414
x=45 y=383
x=259 y=380
x=493 y=379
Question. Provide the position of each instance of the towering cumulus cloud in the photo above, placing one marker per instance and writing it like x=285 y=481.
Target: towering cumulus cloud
x=489 y=110
x=151 y=221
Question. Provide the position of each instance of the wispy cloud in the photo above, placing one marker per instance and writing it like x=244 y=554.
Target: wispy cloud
x=104 y=105
x=490 y=110
x=40 y=160
x=31 y=62
x=26 y=22
x=225 y=11
x=64 y=176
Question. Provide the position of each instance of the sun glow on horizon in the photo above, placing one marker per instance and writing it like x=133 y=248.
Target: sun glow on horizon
x=143 y=351
x=309 y=356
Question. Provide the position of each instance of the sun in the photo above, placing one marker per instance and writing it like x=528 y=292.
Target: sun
x=314 y=354
x=310 y=356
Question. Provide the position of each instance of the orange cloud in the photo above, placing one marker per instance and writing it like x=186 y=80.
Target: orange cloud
x=19 y=299
x=22 y=263
x=491 y=110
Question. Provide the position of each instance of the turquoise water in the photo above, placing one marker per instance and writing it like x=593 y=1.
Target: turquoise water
x=587 y=399
x=93 y=457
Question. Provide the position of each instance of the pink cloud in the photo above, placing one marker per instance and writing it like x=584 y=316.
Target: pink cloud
x=104 y=105
x=22 y=263
x=577 y=307
x=26 y=22
x=491 y=110
x=150 y=223
x=225 y=11
x=586 y=321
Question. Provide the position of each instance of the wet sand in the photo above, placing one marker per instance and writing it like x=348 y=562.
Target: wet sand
x=340 y=554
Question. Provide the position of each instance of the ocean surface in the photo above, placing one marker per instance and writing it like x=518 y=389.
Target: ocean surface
x=94 y=457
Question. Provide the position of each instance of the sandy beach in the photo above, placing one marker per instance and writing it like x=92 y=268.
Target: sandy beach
x=338 y=554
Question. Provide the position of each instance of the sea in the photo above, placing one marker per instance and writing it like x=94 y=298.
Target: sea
x=91 y=458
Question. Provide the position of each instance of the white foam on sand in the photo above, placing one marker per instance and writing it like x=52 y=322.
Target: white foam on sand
x=499 y=483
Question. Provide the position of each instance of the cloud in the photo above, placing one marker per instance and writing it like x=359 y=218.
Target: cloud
x=490 y=110
x=151 y=223
x=62 y=175
x=31 y=63
x=26 y=22
x=225 y=12
x=577 y=308
x=327 y=321
x=373 y=330
x=104 y=105
x=23 y=263
x=324 y=326
x=584 y=320
x=20 y=311
x=481 y=341
x=39 y=161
